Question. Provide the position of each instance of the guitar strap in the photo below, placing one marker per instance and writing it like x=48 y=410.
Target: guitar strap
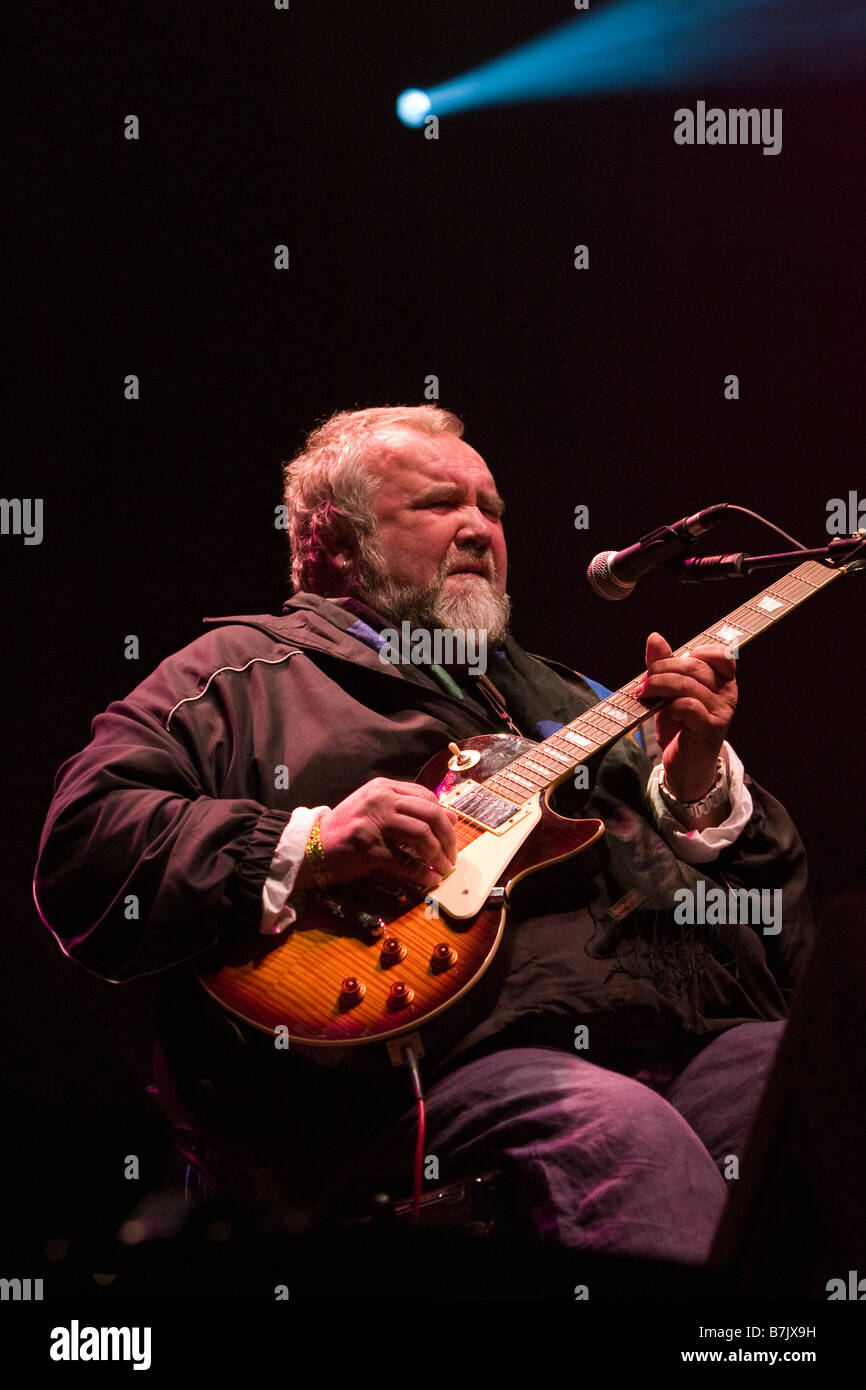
x=496 y=702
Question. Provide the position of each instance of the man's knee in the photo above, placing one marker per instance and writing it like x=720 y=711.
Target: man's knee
x=596 y=1160
x=538 y=1096
x=719 y=1092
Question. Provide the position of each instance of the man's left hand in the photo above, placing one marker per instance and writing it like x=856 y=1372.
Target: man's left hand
x=702 y=690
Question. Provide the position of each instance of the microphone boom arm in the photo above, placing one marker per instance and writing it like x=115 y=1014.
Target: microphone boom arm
x=698 y=568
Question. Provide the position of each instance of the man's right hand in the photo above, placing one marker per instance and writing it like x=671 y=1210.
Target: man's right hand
x=396 y=826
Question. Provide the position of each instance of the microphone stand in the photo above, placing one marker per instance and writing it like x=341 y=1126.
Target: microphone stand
x=697 y=568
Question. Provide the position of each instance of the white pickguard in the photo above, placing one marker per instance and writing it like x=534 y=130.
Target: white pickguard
x=480 y=865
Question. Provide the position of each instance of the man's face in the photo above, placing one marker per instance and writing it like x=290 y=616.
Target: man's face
x=439 y=535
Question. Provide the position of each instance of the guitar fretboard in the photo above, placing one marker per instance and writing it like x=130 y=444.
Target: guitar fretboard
x=574 y=743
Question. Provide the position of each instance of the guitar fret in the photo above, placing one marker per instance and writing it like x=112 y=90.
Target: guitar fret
x=749 y=620
x=521 y=769
x=729 y=633
x=761 y=618
x=597 y=720
x=700 y=641
x=542 y=752
x=791 y=582
x=521 y=781
x=534 y=766
x=629 y=700
x=501 y=788
x=769 y=605
x=550 y=752
x=602 y=715
x=636 y=710
x=579 y=740
x=763 y=614
x=612 y=711
x=568 y=752
x=524 y=769
x=811 y=573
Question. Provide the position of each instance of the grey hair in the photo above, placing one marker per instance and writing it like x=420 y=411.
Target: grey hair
x=329 y=491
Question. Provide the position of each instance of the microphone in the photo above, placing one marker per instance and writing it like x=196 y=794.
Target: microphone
x=613 y=574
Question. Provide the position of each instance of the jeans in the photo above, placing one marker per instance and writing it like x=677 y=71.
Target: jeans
x=596 y=1160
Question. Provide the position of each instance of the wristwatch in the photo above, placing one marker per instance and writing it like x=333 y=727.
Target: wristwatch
x=696 y=810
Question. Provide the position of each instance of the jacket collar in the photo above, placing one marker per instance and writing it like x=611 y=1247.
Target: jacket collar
x=317 y=624
x=330 y=626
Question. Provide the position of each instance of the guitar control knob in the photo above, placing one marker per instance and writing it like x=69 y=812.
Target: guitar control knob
x=393 y=951
x=443 y=957
x=352 y=991
x=399 y=995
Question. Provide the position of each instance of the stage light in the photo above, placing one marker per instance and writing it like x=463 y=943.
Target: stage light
x=412 y=106
x=652 y=44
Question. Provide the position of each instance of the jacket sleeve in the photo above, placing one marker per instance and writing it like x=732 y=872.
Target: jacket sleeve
x=142 y=863
x=767 y=854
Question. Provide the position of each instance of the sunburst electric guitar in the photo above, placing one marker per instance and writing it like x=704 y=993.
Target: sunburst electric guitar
x=376 y=960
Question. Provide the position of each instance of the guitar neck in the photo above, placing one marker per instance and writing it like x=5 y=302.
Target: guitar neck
x=608 y=721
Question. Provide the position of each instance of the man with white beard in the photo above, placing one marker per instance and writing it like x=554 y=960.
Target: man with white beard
x=275 y=757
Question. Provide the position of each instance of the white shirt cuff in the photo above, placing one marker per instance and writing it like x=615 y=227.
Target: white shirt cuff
x=280 y=907
x=703 y=846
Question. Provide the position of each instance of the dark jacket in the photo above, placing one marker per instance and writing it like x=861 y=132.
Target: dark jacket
x=161 y=833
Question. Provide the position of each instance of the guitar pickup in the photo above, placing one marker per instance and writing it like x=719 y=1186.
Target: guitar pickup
x=484 y=808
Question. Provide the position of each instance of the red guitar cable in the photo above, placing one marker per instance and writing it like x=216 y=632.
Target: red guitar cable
x=412 y=1064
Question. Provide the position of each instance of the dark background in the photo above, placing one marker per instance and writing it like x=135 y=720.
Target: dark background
x=409 y=257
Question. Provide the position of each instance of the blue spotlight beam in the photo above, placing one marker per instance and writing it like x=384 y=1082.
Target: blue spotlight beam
x=645 y=44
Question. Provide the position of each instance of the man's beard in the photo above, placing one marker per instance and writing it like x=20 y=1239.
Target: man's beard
x=474 y=603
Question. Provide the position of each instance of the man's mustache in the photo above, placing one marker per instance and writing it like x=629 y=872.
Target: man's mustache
x=482 y=558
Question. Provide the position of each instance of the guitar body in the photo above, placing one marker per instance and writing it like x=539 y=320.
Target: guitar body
x=374 y=960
